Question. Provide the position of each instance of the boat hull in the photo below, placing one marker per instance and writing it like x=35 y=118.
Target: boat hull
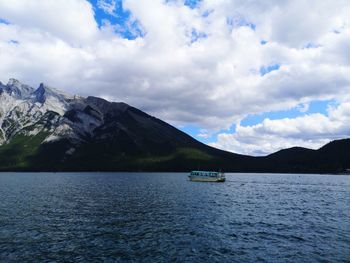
x=206 y=179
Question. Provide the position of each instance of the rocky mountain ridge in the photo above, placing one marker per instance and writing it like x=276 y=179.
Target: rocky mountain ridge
x=26 y=111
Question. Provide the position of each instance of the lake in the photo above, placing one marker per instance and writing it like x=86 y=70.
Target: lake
x=163 y=217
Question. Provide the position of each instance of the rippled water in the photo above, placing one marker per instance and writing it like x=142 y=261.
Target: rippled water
x=144 y=217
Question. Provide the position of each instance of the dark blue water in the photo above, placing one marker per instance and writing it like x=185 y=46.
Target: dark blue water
x=106 y=217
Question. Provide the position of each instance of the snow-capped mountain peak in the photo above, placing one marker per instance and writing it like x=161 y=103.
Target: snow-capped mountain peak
x=16 y=89
x=25 y=110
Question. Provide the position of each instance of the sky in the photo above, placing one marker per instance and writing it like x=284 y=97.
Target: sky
x=251 y=77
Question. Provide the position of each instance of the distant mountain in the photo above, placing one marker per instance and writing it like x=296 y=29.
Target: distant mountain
x=44 y=129
x=333 y=157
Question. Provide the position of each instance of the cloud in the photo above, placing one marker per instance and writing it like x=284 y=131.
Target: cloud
x=311 y=131
x=198 y=64
x=70 y=20
x=108 y=6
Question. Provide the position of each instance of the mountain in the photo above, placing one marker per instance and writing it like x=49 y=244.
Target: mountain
x=44 y=129
x=333 y=157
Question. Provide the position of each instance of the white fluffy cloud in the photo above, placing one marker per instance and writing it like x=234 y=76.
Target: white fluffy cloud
x=198 y=66
x=71 y=20
x=312 y=131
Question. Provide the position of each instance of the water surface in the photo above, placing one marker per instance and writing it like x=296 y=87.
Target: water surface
x=162 y=217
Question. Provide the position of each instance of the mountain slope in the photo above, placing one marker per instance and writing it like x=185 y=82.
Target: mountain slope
x=47 y=130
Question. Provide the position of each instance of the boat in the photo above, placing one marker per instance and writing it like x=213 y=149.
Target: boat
x=206 y=176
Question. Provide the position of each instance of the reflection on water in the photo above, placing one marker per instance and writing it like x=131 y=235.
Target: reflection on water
x=163 y=217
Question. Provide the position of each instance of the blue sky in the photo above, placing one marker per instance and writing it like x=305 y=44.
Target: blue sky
x=235 y=74
x=315 y=106
x=120 y=17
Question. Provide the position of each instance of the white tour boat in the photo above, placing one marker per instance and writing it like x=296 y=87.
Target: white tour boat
x=205 y=176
